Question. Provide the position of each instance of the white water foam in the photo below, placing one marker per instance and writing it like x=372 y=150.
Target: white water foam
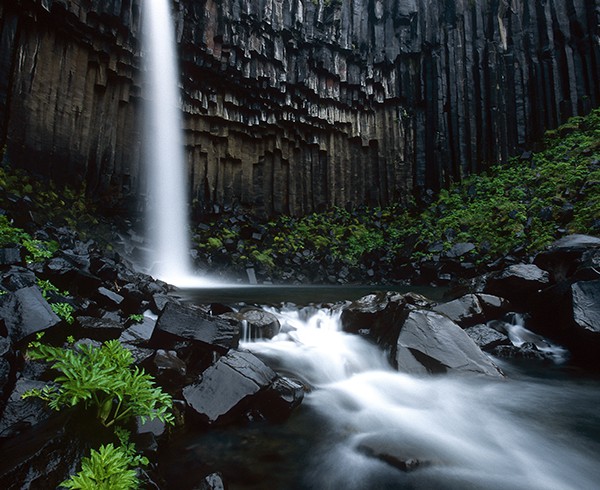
x=469 y=432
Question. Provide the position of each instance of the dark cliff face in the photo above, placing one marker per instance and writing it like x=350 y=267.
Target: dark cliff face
x=290 y=105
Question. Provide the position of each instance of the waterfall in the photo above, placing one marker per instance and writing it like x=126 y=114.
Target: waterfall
x=167 y=219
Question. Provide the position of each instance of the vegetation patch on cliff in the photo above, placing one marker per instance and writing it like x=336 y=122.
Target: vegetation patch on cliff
x=523 y=205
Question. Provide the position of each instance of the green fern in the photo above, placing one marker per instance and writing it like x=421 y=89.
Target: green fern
x=109 y=468
x=102 y=377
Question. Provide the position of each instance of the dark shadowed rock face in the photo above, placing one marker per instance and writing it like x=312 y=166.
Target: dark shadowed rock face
x=294 y=104
x=569 y=255
x=518 y=283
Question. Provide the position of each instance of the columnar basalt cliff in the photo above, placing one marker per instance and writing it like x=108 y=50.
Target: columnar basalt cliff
x=291 y=105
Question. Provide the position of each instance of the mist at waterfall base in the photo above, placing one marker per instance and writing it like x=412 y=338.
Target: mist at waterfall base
x=167 y=216
x=530 y=431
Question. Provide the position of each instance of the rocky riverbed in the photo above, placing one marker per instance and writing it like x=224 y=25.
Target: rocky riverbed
x=194 y=353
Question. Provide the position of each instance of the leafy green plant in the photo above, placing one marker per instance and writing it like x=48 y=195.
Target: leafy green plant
x=110 y=468
x=101 y=377
x=37 y=250
x=62 y=309
x=136 y=318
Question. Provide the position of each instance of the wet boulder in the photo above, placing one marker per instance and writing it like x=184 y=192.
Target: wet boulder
x=465 y=311
x=26 y=312
x=42 y=457
x=518 y=283
x=181 y=322
x=21 y=414
x=430 y=342
x=99 y=328
x=227 y=389
x=138 y=333
x=391 y=448
x=526 y=351
x=256 y=323
x=487 y=338
x=17 y=278
x=281 y=398
x=71 y=271
x=586 y=305
x=569 y=313
x=493 y=307
x=11 y=255
x=380 y=315
x=569 y=255
x=108 y=299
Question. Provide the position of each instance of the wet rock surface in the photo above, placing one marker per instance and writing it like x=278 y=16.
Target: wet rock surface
x=432 y=343
x=225 y=386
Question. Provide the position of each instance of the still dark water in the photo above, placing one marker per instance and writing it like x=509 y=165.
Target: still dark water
x=538 y=429
x=300 y=295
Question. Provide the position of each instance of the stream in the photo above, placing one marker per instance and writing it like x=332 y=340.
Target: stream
x=537 y=429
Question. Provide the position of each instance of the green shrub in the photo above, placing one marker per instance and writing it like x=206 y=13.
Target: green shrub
x=101 y=377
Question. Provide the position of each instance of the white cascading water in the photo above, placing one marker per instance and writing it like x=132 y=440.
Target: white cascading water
x=470 y=431
x=167 y=218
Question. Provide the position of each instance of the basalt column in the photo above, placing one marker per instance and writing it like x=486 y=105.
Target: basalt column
x=292 y=105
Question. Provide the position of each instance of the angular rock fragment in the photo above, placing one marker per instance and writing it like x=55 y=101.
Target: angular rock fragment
x=226 y=388
x=190 y=323
x=26 y=312
x=431 y=343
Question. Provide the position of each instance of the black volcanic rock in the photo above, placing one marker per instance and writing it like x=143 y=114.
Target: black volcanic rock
x=518 y=283
x=226 y=389
x=191 y=323
x=291 y=106
x=26 y=312
x=431 y=343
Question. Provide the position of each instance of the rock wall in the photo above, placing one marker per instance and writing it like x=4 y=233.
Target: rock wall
x=291 y=105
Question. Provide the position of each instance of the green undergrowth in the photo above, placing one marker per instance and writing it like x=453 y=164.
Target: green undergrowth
x=525 y=204
x=45 y=201
x=36 y=250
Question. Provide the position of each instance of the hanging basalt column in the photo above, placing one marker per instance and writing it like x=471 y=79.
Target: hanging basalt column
x=292 y=105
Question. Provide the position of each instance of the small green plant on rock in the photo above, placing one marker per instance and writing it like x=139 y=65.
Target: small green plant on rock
x=110 y=467
x=103 y=378
x=136 y=318
x=37 y=250
x=62 y=309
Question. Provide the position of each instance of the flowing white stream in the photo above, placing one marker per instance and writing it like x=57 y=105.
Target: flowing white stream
x=167 y=218
x=469 y=433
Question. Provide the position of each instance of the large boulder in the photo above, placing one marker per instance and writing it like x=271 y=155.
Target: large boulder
x=182 y=322
x=570 y=255
x=21 y=414
x=25 y=312
x=518 y=283
x=380 y=315
x=227 y=388
x=586 y=305
x=256 y=323
x=42 y=457
x=466 y=311
x=486 y=337
x=430 y=342
x=569 y=313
